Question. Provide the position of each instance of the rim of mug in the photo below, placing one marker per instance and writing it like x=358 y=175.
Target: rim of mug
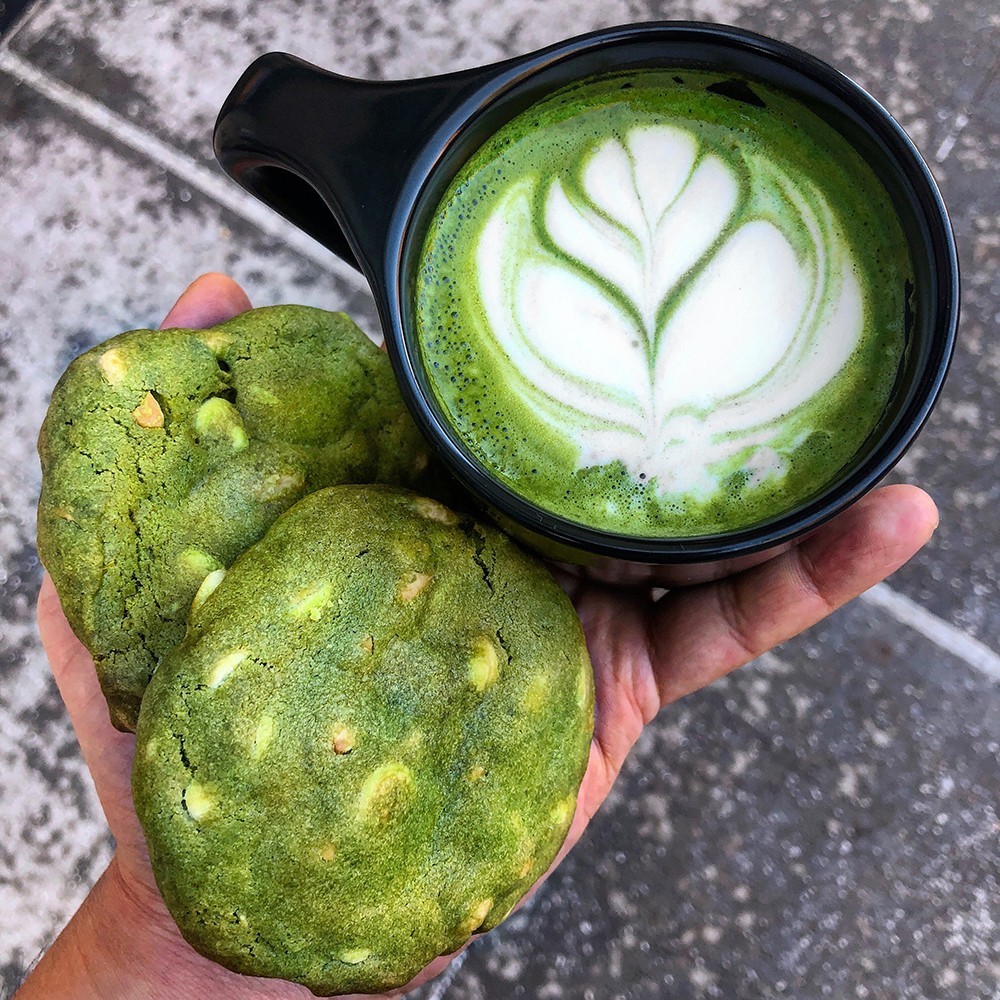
x=841 y=492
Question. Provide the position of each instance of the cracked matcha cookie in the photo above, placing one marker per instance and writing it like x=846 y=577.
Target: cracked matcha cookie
x=166 y=453
x=367 y=747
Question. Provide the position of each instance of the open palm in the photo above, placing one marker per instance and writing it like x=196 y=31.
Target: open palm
x=645 y=654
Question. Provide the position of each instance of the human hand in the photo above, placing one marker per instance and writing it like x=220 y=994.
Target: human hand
x=645 y=656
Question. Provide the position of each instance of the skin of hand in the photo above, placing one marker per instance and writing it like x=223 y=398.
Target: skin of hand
x=123 y=943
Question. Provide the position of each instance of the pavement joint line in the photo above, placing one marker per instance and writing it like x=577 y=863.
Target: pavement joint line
x=943 y=634
x=962 y=117
x=226 y=193
x=216 y=187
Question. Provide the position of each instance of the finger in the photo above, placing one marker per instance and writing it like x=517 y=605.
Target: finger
x=210 y=299
x=108 y=753
x=696 y=636
x=648 y=655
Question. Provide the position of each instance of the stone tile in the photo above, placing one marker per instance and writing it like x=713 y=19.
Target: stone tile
x=926 y=62
x=104 y=243
x=823 y=824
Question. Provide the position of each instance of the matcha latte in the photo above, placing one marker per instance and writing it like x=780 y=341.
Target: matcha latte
x=663 y=303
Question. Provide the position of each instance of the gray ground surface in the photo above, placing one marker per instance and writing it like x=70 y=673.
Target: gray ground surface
x=823 y=824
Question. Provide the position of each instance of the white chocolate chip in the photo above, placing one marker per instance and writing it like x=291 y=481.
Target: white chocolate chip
x=311 y=603
x=207 y=588
x=278 y=484
x=584 y=684
x=562 y=813
x=197 y=562
x=262 y=396
x=354 y=956
x=476 y=915
x=415 y=584
x=387 y=793
x=218 y=420
x=342 y=739
x=148 y=412
x=224 y=666
x=537 y=693
x=484 y=664
x=215 y=341
x=112 y=366
x=262 y=737
x=434 y=511
x=198 y=801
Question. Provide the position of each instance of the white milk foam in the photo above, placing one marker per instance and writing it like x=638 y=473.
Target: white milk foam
x=677 y=338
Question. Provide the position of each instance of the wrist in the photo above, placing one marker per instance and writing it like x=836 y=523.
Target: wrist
x=123 y=945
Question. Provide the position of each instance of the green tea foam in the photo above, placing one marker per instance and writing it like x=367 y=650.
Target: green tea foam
x=661 y=306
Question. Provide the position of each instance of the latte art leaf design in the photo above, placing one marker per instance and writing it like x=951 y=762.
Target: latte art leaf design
x=651 y=307
x=672 y=303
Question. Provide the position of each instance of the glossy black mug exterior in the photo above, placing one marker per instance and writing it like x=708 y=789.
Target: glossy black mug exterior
x=361 y=166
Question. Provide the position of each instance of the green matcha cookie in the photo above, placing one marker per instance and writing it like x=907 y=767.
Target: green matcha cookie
x=367 y=747
x=166 y=453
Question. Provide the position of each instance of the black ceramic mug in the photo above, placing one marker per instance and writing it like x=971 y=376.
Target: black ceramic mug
x=362 y=166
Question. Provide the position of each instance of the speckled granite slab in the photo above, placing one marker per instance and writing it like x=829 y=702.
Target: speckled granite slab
x=823 y=824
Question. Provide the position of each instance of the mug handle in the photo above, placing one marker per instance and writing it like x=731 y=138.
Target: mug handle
x=331 y=153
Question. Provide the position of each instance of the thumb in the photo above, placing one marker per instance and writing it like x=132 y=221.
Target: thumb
x=210 y=299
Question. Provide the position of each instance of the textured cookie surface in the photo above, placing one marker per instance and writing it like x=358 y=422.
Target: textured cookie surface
x=367 y=747
x=166 y=453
